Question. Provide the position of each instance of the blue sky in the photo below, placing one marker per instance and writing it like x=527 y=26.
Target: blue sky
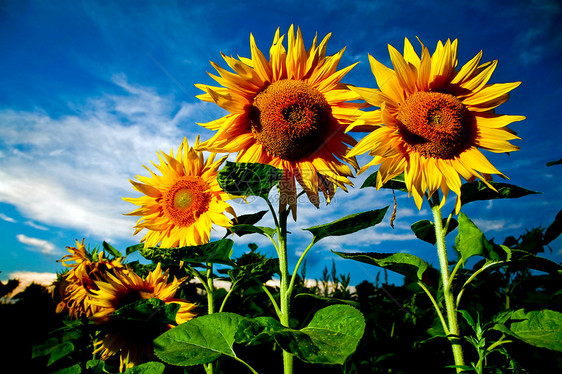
x=91 y=90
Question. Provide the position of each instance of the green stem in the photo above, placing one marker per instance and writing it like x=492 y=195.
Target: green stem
x=450 y=306
x=209 y=367
x=301 y=258
x=436 y=306
x=483 y=268
x=284 y=287
x=247 y=365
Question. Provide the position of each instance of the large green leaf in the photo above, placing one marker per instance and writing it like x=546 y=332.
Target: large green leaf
x=151 y=367
x=75 y=369
x=425 y=229
x=539 y=328
x=248 y=179
x=478 y=190
x=244 y=229
x=198 y=341
x=349 y=224
x=406 y=264
x=52 y=348
x=330 y=338
x=218 y=252
x=471 y=242
x=111 y=250
x=396 y=183
x=250 y=219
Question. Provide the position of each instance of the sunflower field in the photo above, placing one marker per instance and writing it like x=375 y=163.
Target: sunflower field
x=294 y=129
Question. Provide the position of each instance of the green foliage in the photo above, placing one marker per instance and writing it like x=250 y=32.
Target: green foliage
x=245 y=229
x=248 y=179
x=471 y=242
x=425 y=229
x=111 y=250
x=218 y=252
x=396 y=183
x=151 y=367
x=541 y=328
x=406 y=264
x=554 y=230
x=348 y=224
x=153 y=310
x=478 y=190
x=54 y=349
x=198 y=341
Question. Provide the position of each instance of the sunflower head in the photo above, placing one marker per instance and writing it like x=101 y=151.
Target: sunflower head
x=433 y=120
x=74 y=286
x=180 y=205
x=289 y=111
x=132 y=339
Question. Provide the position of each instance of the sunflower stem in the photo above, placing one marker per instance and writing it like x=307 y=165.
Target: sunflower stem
x=284 y=292
x=210 y=367
x=450 y=305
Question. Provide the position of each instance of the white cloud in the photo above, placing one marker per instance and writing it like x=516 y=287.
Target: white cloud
x=26 y=278
x=6 y=218
x=36 y=226
x=495 y=225
x=37 y=245
x=72 y=171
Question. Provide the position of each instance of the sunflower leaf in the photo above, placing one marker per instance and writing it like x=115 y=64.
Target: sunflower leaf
x=330 y=338
x=348 y=224
x=425 y=229
x=471 y=242
x=478 y=190
x=554 y=230
x=133 y=249
x=250 y=219
x=241 y=230
x=153 y=310
x=541 y=328
x=218 y=252
x=396 y=183
x=151 y=367
x=111 y=250
x=406 y=264
x=199 y=341
x=248 y=179
x=552 y=163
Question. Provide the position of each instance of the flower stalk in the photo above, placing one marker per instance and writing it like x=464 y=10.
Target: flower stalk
x=450 y=305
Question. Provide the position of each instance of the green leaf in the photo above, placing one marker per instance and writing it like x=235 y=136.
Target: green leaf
x=241 y=230
x=133 y=248
x=248 y=179
x=198 y=341
x=396 y=183
x=471 y=242
x=330 y=338
x=554 y=230
x=552 y=163
x=406 y=264
x=112 y=250
x=524 y=259
x=153 y=309
x=348 y=224
x=539 y=328
x=218 y=252
x=425 y=229
x=334 y=333
x=53 y=349
x=478 y=190
x=151 y=367
x=250 y=219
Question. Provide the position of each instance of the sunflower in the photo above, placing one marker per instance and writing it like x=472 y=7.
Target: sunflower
x=75 y=286
x=179 y=207
x=132 y=339
x=289 y=112
x=435 y=120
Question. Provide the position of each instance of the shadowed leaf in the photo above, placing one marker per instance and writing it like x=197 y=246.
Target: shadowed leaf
x=478 y=190
x=554 y=230
x=349 y=224
x=248 y=179
x=218 y=252
x=406 y=264
x=425 y=229
x=396 y=183
x=151 y=367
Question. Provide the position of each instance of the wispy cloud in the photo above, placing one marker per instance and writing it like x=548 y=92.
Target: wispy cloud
x=6 y=218
x=496 y=225
x=36 y=226
x=37 y=245
x=71 y=171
